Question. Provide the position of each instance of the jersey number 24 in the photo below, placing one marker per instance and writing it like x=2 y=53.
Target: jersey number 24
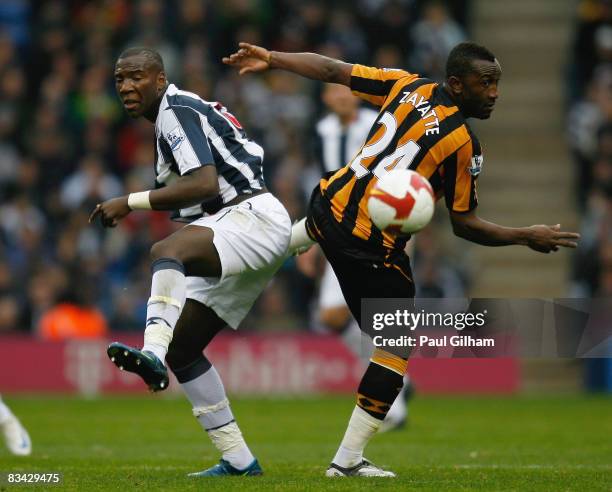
x=400 y=158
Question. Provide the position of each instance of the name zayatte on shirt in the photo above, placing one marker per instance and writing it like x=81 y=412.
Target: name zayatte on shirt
x=423 y=106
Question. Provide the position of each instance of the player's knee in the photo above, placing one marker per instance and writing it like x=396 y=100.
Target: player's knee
x=186 y=372
x=165 y=249
x=181 y=355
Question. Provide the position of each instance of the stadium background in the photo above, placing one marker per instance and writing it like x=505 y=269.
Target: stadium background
x=65 y=145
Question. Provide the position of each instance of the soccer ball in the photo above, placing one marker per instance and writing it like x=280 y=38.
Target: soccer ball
x=401 y=202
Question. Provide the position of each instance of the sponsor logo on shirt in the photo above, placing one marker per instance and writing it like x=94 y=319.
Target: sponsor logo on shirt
x=175 y=138
x=476 y=166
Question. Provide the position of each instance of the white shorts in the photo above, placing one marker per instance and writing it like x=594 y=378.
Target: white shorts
x=251 y=239
x=330 y=293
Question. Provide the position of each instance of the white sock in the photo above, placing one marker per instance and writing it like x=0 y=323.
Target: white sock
x=207 y=396
x=211 y=407
x=5 y=412
x=299 y=237
x=168 y=287
x=228 y=439
x=361 y=427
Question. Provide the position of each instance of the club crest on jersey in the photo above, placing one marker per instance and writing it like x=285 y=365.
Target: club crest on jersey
x=476 y=166
x=175 y=138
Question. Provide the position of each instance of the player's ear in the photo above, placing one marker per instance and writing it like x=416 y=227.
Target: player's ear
x=455 y=84
x=161 y=82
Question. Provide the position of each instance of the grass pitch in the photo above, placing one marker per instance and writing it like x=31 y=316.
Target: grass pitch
x=451 y=443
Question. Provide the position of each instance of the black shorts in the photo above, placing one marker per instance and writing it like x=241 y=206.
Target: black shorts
x=363 y=272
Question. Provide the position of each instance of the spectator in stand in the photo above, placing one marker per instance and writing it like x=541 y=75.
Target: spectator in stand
x=585 y=118
x=433 y=37
x=592 y=15
x=90 y=183
x=436 y=276
x=74 y=316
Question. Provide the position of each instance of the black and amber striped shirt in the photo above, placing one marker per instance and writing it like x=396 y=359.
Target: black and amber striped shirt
x=419 y=128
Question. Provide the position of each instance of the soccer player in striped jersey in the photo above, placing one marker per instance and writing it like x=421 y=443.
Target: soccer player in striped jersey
x=421 y=126
x=339 y=135
x=208 y=274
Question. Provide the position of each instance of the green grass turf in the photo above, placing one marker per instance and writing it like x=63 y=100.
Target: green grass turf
x=452 y=443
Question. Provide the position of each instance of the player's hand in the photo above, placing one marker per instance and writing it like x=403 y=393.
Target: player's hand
x=249 y=58
x=111 y=211
x=544 y=238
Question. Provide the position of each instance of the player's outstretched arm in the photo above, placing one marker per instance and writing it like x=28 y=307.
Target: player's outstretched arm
x=542 y=238
x=251 y=58
x=187 y=190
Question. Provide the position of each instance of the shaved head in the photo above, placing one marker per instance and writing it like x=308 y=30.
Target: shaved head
x=152 y=58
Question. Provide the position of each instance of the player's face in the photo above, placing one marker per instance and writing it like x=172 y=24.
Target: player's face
x=479 y=89
x=339 y=99
x=139 y=84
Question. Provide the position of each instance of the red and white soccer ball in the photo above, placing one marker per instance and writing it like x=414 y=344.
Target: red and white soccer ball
x=401 y=202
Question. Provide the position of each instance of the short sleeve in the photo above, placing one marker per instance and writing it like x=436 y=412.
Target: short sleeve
x=374 y=84
x=461 y=171
x=182 y=133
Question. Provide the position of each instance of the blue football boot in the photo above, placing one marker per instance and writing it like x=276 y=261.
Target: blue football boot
x=224 y=469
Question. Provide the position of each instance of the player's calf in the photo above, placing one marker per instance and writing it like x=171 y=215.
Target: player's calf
x=204 y=389
x=378 y=389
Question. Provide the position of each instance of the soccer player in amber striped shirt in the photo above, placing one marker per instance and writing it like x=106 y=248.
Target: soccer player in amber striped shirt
x=421 y=126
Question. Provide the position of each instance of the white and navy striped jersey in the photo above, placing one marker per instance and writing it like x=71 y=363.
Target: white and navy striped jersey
x=191 y=133
x=336 y=145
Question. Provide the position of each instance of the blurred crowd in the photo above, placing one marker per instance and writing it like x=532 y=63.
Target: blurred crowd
x=65 y=144
x=590 y=138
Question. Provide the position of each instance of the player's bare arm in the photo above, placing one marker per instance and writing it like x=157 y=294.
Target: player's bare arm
x=187 y=190
x=541 y=238
x=251 y=58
